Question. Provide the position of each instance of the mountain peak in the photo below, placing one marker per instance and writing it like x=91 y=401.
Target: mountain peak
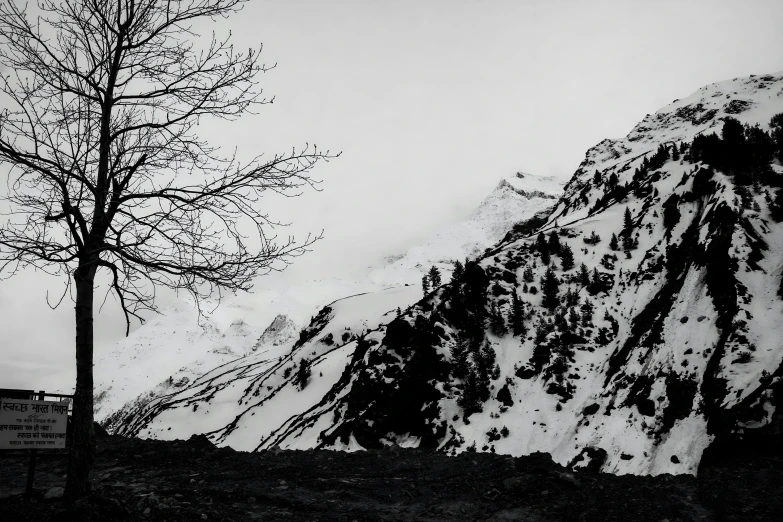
x=532 y=185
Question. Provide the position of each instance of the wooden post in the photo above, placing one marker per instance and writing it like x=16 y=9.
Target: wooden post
x=31 y=467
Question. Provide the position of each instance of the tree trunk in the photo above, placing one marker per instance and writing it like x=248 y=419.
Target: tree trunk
x=80 y=458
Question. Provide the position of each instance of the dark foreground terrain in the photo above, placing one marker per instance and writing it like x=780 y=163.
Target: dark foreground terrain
x=191 y=480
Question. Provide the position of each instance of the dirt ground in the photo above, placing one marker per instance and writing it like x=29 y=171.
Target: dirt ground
x=191 y=480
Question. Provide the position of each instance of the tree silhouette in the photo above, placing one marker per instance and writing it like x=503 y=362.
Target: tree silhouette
x=434 y=276
x=497 y=322
x=566 y=258
x=587 y=313
x=517 y=316
x=550 y=287
x=627 y=223
x=458 y=272
x=554 y=243
x=425 y=285
x=541 y=243
x=99 y=127
x=584 y=275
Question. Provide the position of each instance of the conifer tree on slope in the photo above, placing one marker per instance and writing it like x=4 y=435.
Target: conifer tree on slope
x=496 y=321
x=587 y=313
x=614 y=243
x=550 y=288
x=566 y=258
x=541 y=243
x=584 y=275
x=627 y=232
x=458 y=272
x=434 y=277
x=554 y=243
x=627 y=223
x=425 y=285
x=517 y=316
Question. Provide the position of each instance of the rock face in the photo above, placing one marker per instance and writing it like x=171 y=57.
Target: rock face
x=282 y=330
x=623 y=331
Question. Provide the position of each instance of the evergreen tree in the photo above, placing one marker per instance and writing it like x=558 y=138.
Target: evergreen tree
x=587 y=313
x=459 y=354
x=568 y=296
x=545 y=257
x=572 y=298
x=573 y=318
x=303 y=373
x=675 y=153
x=399 y=312
x=613 y=180
x=627 y=233
x=554 y=243
x=425 y=285
x=517 y=316
x=597 y=177
x=561 y=323
x=527 y=275
x=613 y=243
x=434 y=277
x=592 y=239
x=487 y=367
x=524 y=288
x=584 y=275
x=496 y=321
x=627 y=223
x=469 y=399
x=459 y=271
x=628 y=245
x=566 y=258
x=541 y=243
x=776 y=123
x=550 y=288
x=596 y=283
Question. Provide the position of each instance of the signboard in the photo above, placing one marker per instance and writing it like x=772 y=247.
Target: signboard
x=32 y=424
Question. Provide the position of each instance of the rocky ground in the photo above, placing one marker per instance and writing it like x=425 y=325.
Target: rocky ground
x=192 y=480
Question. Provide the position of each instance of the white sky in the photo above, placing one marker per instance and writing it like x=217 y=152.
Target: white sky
x=431 y=103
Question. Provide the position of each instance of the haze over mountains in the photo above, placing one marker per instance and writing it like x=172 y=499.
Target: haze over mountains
x=624 y=330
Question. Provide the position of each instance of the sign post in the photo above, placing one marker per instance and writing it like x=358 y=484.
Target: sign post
x=31 y=467
x=33 y=425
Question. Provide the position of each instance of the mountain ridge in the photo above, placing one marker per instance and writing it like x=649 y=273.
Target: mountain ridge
x=141 y=367
x=625 y=331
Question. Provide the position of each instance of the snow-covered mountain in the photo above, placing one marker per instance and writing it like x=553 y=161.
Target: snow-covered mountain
x=624 y=331
x=515 y=199
x=179 y=346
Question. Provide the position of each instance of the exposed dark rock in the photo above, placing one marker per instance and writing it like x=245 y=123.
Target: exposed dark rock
x=589 y=460
x=504 y=396
x=591 y=410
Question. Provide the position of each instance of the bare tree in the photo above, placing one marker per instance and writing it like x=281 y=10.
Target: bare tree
x=107 y=171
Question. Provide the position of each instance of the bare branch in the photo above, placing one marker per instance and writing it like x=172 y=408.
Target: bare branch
x=102 y=101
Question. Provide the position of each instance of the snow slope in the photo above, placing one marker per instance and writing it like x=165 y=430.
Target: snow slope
x=179 y=346
x=632 y=361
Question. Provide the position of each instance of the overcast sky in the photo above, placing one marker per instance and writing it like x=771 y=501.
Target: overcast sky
x=431 y=103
